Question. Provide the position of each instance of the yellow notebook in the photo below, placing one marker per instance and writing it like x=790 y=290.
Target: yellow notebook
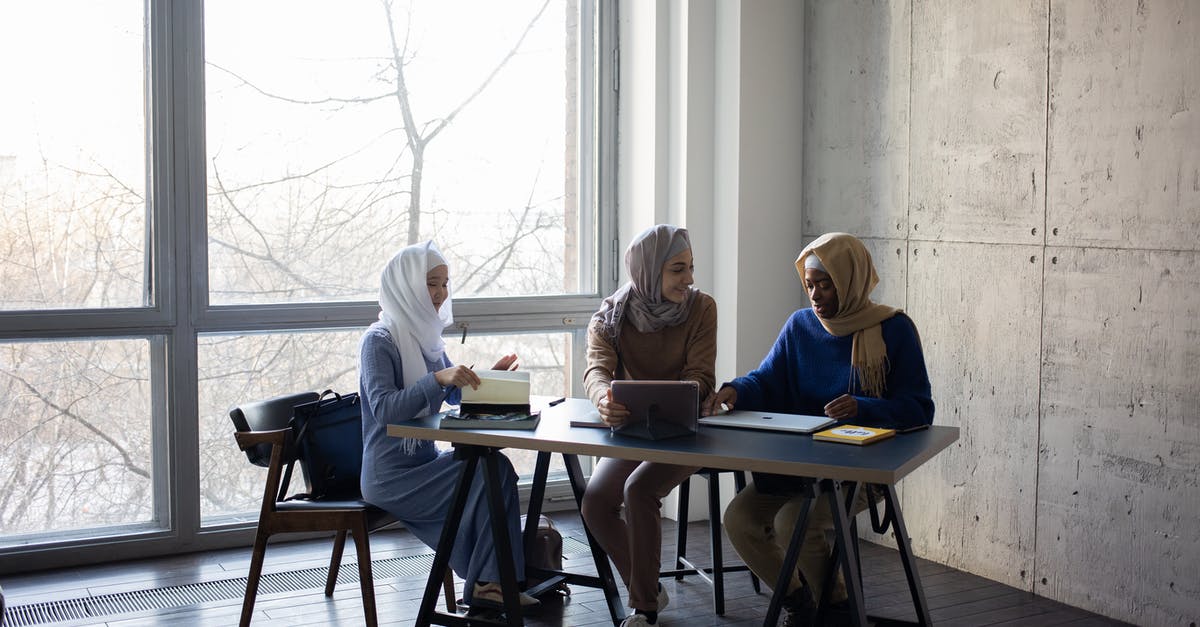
x=852 y=434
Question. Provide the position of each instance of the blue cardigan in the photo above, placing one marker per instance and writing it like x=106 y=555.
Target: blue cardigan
x=808 y=367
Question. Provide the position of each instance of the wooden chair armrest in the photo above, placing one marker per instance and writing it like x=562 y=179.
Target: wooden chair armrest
x=246 y=439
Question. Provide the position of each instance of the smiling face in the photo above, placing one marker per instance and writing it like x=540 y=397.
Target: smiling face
x=677 y=277
x=437 y=281
x=822 y=292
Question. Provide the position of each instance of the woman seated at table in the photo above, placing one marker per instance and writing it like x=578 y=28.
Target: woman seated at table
x=845 y=357
x=404 y=373
x=655 y=327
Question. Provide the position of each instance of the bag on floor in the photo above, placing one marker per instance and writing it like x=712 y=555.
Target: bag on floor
x=546 y=552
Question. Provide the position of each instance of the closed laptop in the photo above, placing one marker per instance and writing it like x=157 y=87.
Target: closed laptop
x=658 y=409
x=768 y=421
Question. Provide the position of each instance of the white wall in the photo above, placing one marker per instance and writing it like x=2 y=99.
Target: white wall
x=732 y=111
x=1027 y=175
x=724 y=103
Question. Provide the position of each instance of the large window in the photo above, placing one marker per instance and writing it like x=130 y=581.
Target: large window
x=76 y=435
x=338 y=132
x=72 y=156
x=196 y=200
x=230 y=488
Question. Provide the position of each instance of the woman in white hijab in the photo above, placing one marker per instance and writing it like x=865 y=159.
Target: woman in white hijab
x=404 y=373
x=656 y=326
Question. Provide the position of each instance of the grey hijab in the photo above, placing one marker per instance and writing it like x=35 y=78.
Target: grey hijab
x=640 y=300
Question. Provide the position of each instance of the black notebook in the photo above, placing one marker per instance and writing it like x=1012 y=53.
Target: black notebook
x=510 y=420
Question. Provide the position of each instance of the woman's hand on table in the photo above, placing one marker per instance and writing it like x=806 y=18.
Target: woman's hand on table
x=612 y=413
x=844 y=407
x=726 y=396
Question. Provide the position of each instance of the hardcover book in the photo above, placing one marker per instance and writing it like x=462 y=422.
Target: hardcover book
x=853 y=434
x=499 y=392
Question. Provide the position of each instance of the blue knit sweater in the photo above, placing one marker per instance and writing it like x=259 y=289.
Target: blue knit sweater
x=808 y=367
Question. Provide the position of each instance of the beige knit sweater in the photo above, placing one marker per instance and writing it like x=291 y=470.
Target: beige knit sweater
x=685 y=352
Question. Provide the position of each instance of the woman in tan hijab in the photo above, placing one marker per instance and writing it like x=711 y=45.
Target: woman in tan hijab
x=846 y=357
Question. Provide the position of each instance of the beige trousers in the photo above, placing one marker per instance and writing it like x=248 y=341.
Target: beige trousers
x=761 y=525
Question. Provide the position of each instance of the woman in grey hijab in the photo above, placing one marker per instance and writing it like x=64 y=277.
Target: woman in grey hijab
x=655 y=327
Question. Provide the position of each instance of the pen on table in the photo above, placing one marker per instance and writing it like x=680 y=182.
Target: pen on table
x=557 y=401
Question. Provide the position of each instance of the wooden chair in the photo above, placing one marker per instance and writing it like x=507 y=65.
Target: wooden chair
x=714 y=575
x=267 y=439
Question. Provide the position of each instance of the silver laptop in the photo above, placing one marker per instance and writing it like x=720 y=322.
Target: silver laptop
x=769 y=421
x=658 y=409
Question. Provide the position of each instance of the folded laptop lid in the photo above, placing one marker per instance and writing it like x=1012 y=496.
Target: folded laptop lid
x=658 y=409
x=768 y=421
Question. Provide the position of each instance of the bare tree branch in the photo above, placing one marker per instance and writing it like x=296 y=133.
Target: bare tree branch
x=274 y=96
x=130 y=465
x=418 y=139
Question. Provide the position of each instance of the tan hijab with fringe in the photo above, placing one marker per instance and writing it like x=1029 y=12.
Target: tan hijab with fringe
x=849 y=265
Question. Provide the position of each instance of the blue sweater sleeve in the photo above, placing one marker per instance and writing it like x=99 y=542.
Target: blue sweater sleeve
x=907 y=400
x=381 y=379
x=807 y=367
x=767 y=387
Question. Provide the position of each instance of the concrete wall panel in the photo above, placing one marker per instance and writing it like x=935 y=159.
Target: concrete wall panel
x=1124 y=169
x=856 y=127
x=1118 y=488
x=891 y=263
x=979 y=121
x=978 y=310
x=1054 y=155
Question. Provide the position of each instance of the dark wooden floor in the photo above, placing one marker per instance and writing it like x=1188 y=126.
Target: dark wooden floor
x=955 y=597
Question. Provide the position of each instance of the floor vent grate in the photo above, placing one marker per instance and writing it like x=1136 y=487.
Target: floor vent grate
x=88 y=609
x=93 y=607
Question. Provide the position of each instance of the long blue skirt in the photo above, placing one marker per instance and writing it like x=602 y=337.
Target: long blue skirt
x=421 y=497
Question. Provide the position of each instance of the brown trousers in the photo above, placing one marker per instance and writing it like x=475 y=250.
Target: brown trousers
x=635 y=542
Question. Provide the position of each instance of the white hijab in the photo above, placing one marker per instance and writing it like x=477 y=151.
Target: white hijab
x=408 y=313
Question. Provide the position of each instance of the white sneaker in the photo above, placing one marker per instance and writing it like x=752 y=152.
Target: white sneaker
x=492 y=595
x=663 y=599
x=637 y=620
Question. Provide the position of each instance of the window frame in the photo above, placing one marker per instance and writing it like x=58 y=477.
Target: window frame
x=177 y=310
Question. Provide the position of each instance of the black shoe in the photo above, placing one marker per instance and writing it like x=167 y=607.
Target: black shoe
x=837 y=614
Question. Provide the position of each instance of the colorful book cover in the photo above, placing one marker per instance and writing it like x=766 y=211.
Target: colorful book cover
x=853 y=434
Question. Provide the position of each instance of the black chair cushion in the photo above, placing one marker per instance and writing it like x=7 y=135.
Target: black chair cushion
x=376 y=517
x=269 y=415
x=301 y=504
